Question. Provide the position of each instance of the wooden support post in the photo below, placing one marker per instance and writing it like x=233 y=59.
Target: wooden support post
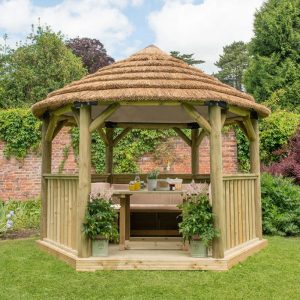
x=216 y=179
x=255 y=168
x=122 y=223
x=84 y=185
x=201 y=136
x=109 y=151
x=195 y=152
x=127 y=218
x=46 y=168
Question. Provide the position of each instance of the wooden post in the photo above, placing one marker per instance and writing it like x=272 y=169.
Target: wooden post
x=84 y=185
x=195 y=152
x=216 y=179
x=109 y=151
x=46 y=168
x=255 y=168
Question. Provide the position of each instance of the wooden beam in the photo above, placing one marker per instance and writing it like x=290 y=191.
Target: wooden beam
x=216 y=179
x=109 y=151
x=51 y=127
x=76 y=115
x=232 y=120
x=238 y=111
x=201 y=136
x=84 y=184
x=120 y=136
x=242 y=127
x=151 y=125
x=191 y=110
x=195 y=152
x=223 y=117
x=183 y=136
x=59 y=127
x=46 y=168
x=249 y=128
x=103 y=135
x=255 y=168
x=62 y=110
x=103 y=116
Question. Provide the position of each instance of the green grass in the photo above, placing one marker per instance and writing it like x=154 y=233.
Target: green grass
x=28 y=273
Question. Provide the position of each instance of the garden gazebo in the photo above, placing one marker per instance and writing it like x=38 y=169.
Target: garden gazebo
x=150 y=90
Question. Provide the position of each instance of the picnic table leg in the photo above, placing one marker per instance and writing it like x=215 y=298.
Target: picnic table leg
x=127 y=218
x=122 y=224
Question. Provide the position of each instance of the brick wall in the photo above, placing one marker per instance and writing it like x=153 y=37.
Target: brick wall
x=21 y=179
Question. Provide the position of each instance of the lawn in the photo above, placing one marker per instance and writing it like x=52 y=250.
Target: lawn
x=28 y=273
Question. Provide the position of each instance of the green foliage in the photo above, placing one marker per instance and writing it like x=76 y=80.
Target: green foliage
x=188 y=58
x=20 y=131
x=101 y=220
x=233 y=63
x=40 y=66
x=274 y=69
x=280 y=206
x=153 y=174
x=26 y=213
x=128 y=150
x=275 y=132
x=197 y=219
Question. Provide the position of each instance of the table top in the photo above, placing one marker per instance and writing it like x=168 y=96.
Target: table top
x=127 y=192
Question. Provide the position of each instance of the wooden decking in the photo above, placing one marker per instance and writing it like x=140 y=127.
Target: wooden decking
x=154 y=259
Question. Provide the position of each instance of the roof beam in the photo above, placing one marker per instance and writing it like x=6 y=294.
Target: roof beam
x=120 y=136
x=193 y=113
x=103 y=116
x=183 y=136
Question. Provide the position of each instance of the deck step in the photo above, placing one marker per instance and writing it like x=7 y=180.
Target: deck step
x=154 y=244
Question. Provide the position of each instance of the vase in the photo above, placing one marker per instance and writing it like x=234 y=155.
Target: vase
x=152 y=184
x=198 y=249
x=99 y=247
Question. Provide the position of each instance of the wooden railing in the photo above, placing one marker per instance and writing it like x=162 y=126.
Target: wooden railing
x=125 y=178
x=62 y=209
x=239 y=198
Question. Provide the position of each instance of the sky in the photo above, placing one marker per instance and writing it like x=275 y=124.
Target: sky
x=202 y=27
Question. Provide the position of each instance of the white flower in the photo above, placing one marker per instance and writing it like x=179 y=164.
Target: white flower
x=9 y=224
x=8 y=216
x=116 y=206
x=12 y=213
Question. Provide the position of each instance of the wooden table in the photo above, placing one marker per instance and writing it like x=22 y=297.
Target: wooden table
x=124 y=196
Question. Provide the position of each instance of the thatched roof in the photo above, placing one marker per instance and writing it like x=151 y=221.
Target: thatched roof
x=148 y=75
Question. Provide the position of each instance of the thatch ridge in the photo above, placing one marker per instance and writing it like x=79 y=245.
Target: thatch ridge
x=150 y=74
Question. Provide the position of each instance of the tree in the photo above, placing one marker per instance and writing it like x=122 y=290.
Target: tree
x=36 y=68
x=188 y=58
x=233 y=63
x=274 y=69
x=92 y=53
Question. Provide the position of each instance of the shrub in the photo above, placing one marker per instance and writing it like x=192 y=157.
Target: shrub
x=26 y=213
x=280 y=206
x=197 y=219
x=100 y=219
x=289 y=166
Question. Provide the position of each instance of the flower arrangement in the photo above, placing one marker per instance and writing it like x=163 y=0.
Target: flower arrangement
x=101 y=218
x=153 y=174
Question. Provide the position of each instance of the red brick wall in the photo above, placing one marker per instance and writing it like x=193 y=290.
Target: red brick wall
x=21 y=179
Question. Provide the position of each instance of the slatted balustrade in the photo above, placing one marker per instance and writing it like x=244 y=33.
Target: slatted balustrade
x=239 y=198
x=62 y=209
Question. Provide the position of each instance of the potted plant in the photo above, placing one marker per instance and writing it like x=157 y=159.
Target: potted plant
x=197 y=224
x=152 y=180
x=100 y=224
